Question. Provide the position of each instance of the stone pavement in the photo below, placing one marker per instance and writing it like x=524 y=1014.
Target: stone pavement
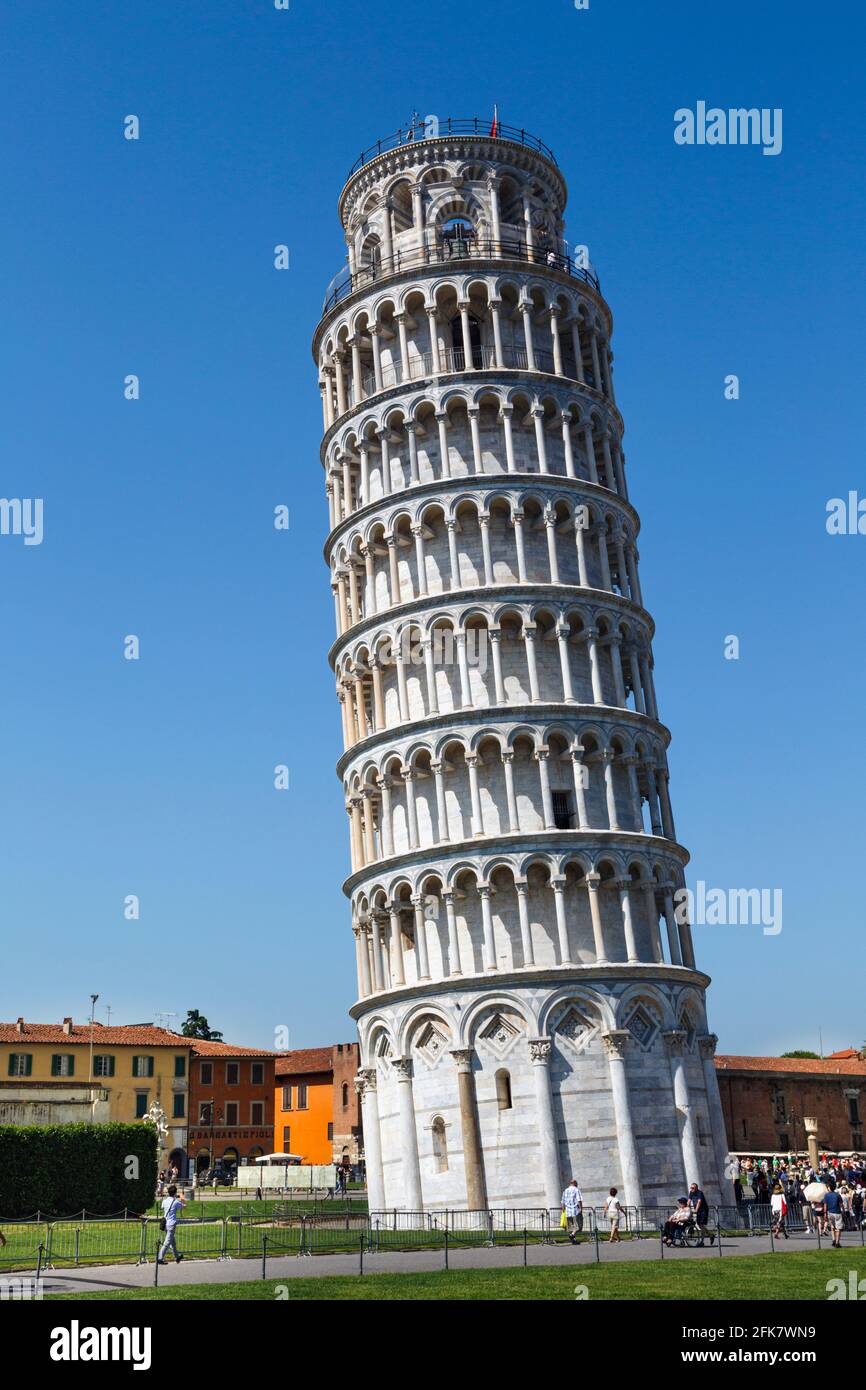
x=109 y=1277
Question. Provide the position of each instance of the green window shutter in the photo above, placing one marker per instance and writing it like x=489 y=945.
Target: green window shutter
x=13 y=1070
x=111 y=1065
x=180 y=1066
x=178 y=1107
x=55 y=1064
x=71 y=1060
x=149 y=1066
x=28 y=1068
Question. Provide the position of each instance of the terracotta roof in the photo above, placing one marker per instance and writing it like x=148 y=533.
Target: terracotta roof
x=304 y=1060
x=133 y=1034
x=827 y=1066
x=205 y=1047
x=847 y=1052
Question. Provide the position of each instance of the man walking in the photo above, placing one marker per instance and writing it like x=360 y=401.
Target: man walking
x=833 y=1215
x=572 y=1205
x=172 y=1206
x=701 y=1209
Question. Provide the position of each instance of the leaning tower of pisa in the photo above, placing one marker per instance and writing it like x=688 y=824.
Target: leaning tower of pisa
x=529 y=1007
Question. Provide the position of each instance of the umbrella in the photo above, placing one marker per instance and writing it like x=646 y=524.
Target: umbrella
x=815 y=1192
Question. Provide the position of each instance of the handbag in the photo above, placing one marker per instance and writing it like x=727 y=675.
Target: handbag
x=162 y=1225
x=563 y=1220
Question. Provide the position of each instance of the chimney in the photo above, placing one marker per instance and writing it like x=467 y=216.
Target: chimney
x=19 y=1026
x=67 y=1025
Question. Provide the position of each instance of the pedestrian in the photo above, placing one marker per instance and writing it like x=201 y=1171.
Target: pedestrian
x=681 y=1214
x=701 y=1208
x=833 y=1216
x=172 y=1206
x=572 y=1206
x=614 y=1212
x=779 y=1209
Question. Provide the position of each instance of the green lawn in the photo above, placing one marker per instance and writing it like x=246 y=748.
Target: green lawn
x=798 y=1276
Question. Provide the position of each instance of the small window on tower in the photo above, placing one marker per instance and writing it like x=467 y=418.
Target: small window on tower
x=503 y=1090
x=562 y=810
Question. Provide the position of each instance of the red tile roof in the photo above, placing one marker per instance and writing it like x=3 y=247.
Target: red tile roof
x=133 y=1034
x=304 y=1061
x=205 y=1047
x=827 y=1066
x=848 y=1052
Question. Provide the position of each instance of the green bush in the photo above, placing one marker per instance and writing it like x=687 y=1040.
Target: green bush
x=59 y=1170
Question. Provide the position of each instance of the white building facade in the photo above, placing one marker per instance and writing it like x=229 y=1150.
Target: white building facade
x=529 y=1007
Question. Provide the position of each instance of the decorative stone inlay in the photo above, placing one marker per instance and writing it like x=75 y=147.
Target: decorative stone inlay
x=574 y=1029
x=431 y=1043
x=499 y=1034
x=642 y=1026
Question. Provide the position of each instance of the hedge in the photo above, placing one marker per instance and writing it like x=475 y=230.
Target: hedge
x=59 y=1170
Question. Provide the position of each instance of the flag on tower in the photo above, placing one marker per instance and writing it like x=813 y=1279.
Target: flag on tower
x=494 y=129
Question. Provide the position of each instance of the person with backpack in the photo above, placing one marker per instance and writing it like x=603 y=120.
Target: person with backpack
x=172 y=1206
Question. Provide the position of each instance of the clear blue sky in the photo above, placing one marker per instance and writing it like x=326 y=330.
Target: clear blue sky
x=155 y=257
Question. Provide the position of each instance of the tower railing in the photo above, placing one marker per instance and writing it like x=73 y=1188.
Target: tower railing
x=452 y=250
x=452 y=125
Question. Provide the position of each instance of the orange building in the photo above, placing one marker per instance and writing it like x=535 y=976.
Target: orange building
x=316 y=1110
x=231 y=1113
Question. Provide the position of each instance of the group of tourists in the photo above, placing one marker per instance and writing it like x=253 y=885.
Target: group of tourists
x=693 y=1210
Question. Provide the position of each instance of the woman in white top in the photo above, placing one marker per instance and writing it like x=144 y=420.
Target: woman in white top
x=614 y=1212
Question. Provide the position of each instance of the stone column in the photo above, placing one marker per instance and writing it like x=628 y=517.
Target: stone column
x=362 y=959
x=707 y=1048
x=365 y=1085
x=398 y=973
x=454 y=559
x=538 y=420
x=495 y=635
x=474 y=794
x=517 y=522
x=539 y=1053
x=434 y=340
x=420 y=559
x=473 y=1159
x=558 y=886
x=511 y=799
x=541 y=756
x=411 y=434
x=607 y=758
x=441 y=807
x=505 y=413
x=590 y=453
x=402 y=1068
x=550 y=529
x=487 y=926
x=594 y=668
x=421 y=938
x=578 y=354
x=444 y=456
x=563 y=632
x=497 y=333
x=484 y=526
x=532 y=670
x=526 y=311
x=615 y=1042
x=377 y=356
x=593 y=884
x=580 y=788
x=473 y=413
x=522 y=889
x=454 y=967
x=404 y=347
x=675 y=1039
x=566 y=445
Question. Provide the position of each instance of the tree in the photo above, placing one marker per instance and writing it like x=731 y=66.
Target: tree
x=195 y=1025
x=802 y=1054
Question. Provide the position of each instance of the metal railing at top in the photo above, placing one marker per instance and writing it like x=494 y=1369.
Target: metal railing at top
x=452 y=125
x=451 y=251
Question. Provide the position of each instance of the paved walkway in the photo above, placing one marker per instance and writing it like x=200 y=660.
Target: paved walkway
x=96 y=1278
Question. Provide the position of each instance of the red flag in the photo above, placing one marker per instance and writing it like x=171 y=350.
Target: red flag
x=494 y=129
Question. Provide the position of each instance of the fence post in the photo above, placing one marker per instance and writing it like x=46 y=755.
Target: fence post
x=361 y=1254
x=818 y=1230
x=264 y=1256
x=49 y=1231
x=156 y=1264
x=597 y=1251
x=772 y=1240
x=39 y=1255
x=662 y=1241
x=240 y=1236
x=446 y=1247
x=223 y=1239
x=77 y=1242
x=142 y=1249
x=524 y=1247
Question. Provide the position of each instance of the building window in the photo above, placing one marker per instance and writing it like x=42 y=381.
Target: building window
x=330 y=1133
x=302 y=1095
x=258 y=1073
x=103 y=1064
x=180 y=1066
x=205 y=1112
x=232 y=1070
x=231 y=1112
x=853 y=1110
x=206 y=1073
x=345 y=1094
x=287 y=1097
x=440 y=1145
x=142 y=1066
x=63 y=1064
x=779 y=1108
x=287 y=1139
x=784 y=1141
x=177 y=1107
x=503 y=1090
x=562 y=810
x=140 y=1104
x=257 y=1112
x=20 y=1064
